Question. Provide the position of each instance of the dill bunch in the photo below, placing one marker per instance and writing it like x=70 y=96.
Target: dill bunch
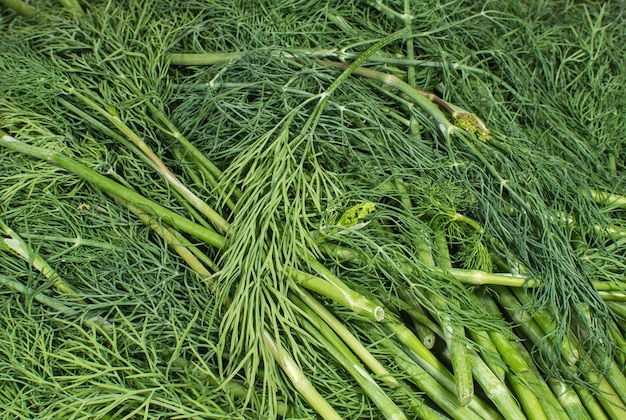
x=294 y=208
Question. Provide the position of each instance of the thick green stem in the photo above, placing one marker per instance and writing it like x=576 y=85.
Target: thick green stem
x=425 y=328
x=569 y=400
x=333 y=288
x=180 y=245
x=338 y=349
x=453 y=333
x=20 y=7
x=527 y=398
x=218 y=221
x=114 y=188
x=192 y=59
x=619 y=308
x=18 y=246
x=445 y=126
x=608 y=199
x=433 y=388
x=591 y=403
x=495 y=389
x=72 y=5
x=489 y=352
x=299 y=379
x=608 y=391
x=527 y=378
x=351 y=341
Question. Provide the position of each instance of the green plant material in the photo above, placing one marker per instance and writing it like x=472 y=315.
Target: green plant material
x=14 y=243
x=180 y=245
x=619 y=308
x=620 y=341
x=426 y=335
x=193 y=199
x=432 y=367
x=113 y=188
x=349 y=362
x=331 y=286
x=355 y=214
x=90 y=321
x=443 y=397
x=20 y=7
x=606 y=394
x=302 y=384
x=608 y=199
x=531 y=328
x=591 y=403
x=454 y=334
x=612 y=296
x=445 y=126
x=425 y=329
x=489 y=352
x=569 y=400
x=527 y=399
x=536 y=398
x=495 y=389
x=72 y=5
x=348 y=338
x=486 y=137
x=608 y=290
x=234 y=388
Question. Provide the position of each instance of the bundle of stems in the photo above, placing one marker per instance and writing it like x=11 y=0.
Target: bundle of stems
x=286 y=209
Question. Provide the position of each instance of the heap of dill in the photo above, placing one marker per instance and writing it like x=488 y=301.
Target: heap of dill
x=356 y=209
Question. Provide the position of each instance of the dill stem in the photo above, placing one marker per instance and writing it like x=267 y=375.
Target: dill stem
x=201 y=176
x=193 y=199
x=524 y=372
x=97 y=322
x=608 y=199
x=198 y=157
x=402 y=333
x=340 y=329
x=195 y=59
x=569 y=400
x=72 y=5
x=299 y=379
x=608 y=290
x=432 y=387
x=112 y=187
x=527 y=398
x=494 y=388
x=179 y=245
x=333 y=288
x=445 y=126
x=538 y=326
x=425 y=328
x=591 y=403
x=620 y=342
x=453 y=333
x=18 y=246
x=20 y=7
x=606 y=394
x=340 y=351
x=618 y=308
x=489 y=352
